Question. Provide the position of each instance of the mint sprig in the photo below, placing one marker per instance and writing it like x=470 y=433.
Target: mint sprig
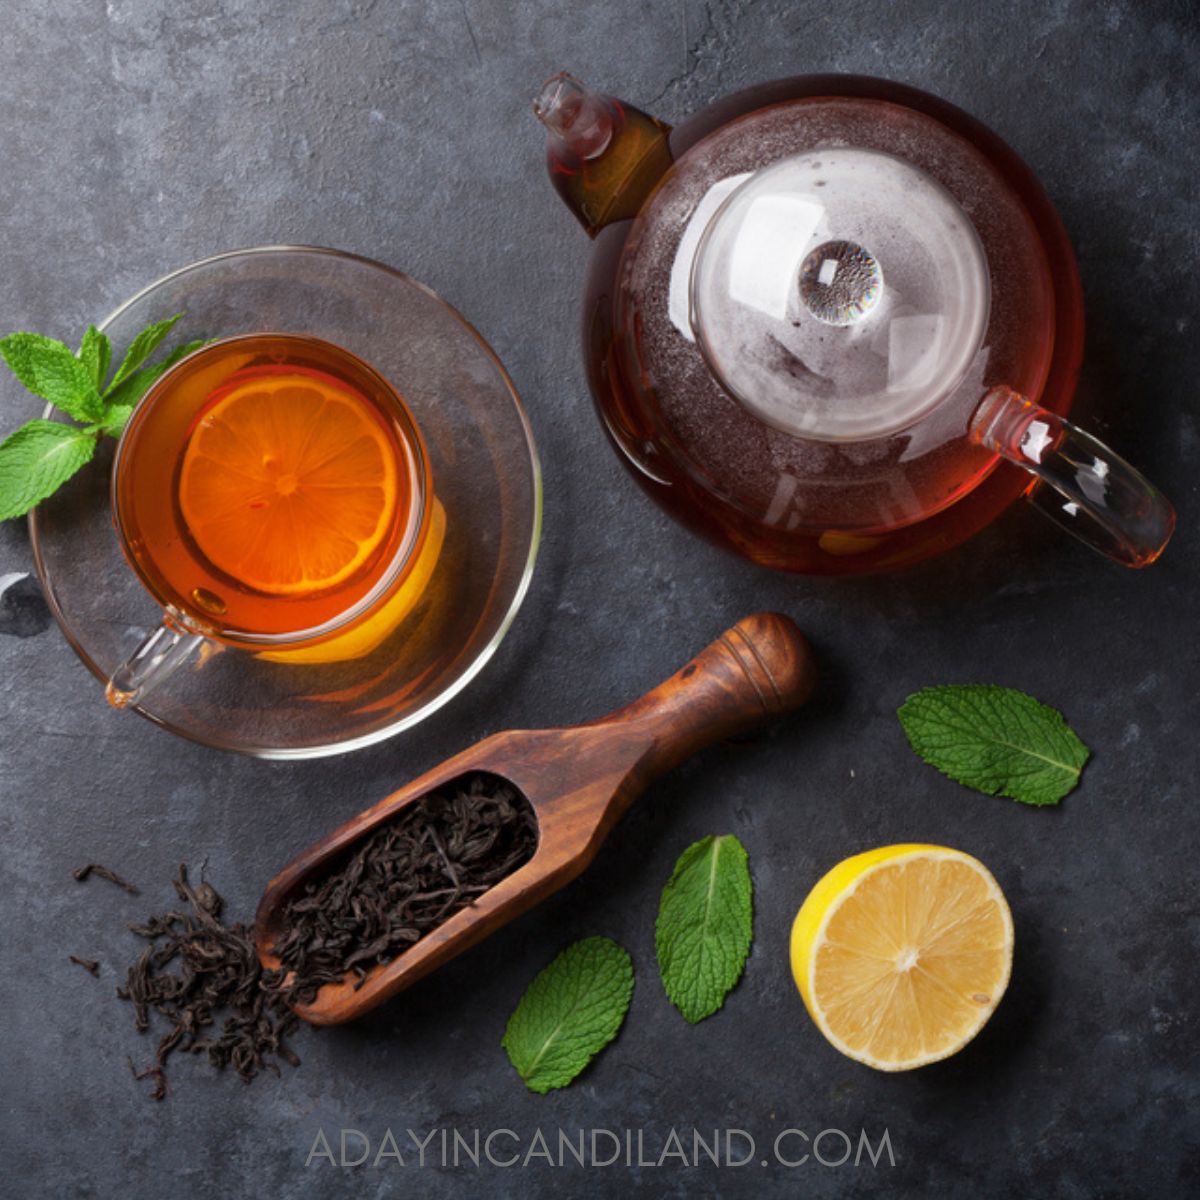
x=705 y=925
x=995 y=740
x=569 y=1013
x=49 y=369
x=42 y=455
x=37 y=460
x=95 y=352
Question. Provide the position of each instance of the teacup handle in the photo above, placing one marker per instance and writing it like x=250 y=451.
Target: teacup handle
x=1086 y=488
x=166 y=650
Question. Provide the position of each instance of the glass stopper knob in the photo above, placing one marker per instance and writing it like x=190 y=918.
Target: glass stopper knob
x=840 y=282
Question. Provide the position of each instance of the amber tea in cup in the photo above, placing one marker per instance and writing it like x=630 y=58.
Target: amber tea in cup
x=270 y=491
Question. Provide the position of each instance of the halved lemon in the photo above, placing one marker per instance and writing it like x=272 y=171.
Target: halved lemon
x=902 y=954
x=289 y=483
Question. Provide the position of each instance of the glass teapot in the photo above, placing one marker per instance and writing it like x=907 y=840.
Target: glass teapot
x=834 y=324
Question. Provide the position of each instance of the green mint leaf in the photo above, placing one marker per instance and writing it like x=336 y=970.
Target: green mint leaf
x=49 y=369
x=36 y=460
x=130 y=390
x=95 y=352
x=996 y=740
x=569 y=1013
x=704 y=926
x=115 y=419
x=141 y=348
x=42 y=455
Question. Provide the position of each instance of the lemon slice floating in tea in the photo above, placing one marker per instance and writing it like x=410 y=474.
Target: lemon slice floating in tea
x=369 y=634
x=289 y=484
x=902 y=954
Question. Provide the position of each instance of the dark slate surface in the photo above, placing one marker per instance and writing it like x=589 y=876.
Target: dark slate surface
x=137 y=136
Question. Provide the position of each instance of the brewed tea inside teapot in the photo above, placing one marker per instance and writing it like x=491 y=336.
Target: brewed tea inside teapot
x=834 y=324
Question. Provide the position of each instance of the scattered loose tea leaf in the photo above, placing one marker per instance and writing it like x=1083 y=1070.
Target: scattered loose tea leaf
x=152 y=1072
x=412 y=874
x=88 y=964
x=101 y=872
x=705 y=925
x=569 y=1013
x=204 y=977
x=217 y=974
x=995 y=740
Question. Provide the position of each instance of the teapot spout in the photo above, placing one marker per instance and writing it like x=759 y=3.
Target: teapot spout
x=604 y=157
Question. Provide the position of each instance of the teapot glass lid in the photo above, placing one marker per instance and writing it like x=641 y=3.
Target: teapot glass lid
x=839 y=294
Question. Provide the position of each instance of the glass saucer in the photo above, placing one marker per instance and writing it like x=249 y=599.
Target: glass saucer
x=486 y=479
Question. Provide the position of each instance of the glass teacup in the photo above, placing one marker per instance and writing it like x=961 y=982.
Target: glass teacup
x=273 y=493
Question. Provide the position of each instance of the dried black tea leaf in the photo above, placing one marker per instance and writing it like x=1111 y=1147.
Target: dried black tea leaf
x=154 y=1072
x=90 y=965
x=198 y=972
x=101 y=872
x=203 y=976
x=435 y=858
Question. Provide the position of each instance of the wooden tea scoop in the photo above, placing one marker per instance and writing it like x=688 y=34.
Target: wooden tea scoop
x=579 y=780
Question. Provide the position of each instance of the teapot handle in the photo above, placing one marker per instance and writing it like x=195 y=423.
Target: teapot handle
x=1083 y=486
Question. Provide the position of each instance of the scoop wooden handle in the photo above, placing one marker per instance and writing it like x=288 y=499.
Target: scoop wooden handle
x=760 y=668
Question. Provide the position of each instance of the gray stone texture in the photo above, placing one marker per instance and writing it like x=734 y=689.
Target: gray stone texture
x=136 y=136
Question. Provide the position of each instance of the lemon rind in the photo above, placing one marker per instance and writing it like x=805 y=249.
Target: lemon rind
x=907 y=853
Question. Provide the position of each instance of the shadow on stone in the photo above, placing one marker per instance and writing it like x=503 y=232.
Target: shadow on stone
x=23 y=609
